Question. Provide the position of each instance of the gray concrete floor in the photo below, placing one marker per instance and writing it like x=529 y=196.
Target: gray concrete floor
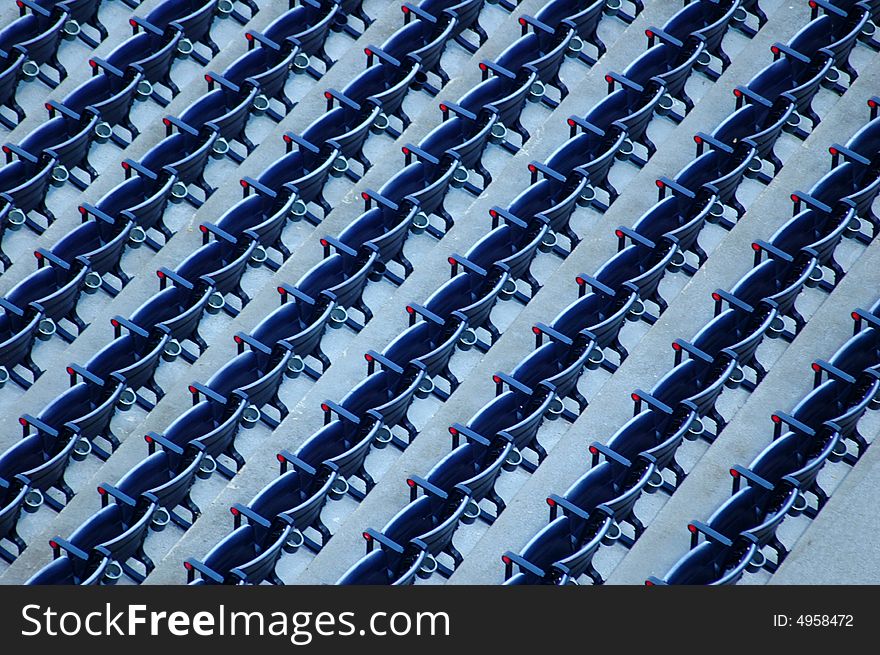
x=815 y=545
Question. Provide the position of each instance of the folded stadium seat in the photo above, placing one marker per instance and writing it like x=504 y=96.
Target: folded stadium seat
x=609 y=489
x=428 y=523
x=82 y=12
x=388 y=565
x=221 y=264
x=301 y=173
x=383 y=85
x=587 y=156
x=855 y=185
x=259 y=217
x=178 y=309
x=385 y=395
x=431 y=342
x=142 y=199
x=40 y=461
x=755 y=513
x=120 y=531
x=242 y=557
x=559 y=554
x=736 y=333
x=12 y=499
x=514 y=415
x=707 y=20
x=147 y=53
x=11 y=65
x=668 y=64
x=77 y=567
x=515 y=245
x=192 y=18
x=861 y=351
x=501 y=95
x=342 y=446
x=795 y=77
x=834 y=33
x=267 y=71
x=67 y=141
x=166 y=476
x=101 y=243
x=132 y=358
x=299 y=494
x=551 y=201
x=423 y=183
x=471 y=469
x=561 y=365
x=223 y=111
x=342 y=276
x=344 y=129
x=465 y=139
x=710 y=563
x=18 y=332
x=780 y=280
x=793 y=459
x=682 y=217
x=756 y=125
x=422 y=40
x=298 y=324
x=697 y=384
x=85 y=407
x=37 y=34
x=842 y=400
x=182 y=155
x=584 y=21
x=638 y=267
x=387 y=229
x=541 y=49
x=55 y=290
x=865 y=142
x=816 y=230
x=472 y=294
x=598 y=317
x=302 y=29
x=24 y=184
x=714 y=172
x=630 y=109
x=212 y=424
x=656 y=435
x=254 y=375
x=466 y=13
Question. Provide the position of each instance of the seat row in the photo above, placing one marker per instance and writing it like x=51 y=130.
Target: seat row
x=113 y=377
x=780 y=479
x=510 y=248
x=639 y=452
x=540 y=384
x=220 y=398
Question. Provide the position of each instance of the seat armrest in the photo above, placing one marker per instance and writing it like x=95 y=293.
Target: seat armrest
x=198 y=389
x=696 y=528
x=416 y=482
x=500 y=379
x=458 y=430
x=374 y=357
x=193 y=565
x=448 y=108
x=107 y=491
x=154 y=439
x=285 y=457
x=598 y=450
